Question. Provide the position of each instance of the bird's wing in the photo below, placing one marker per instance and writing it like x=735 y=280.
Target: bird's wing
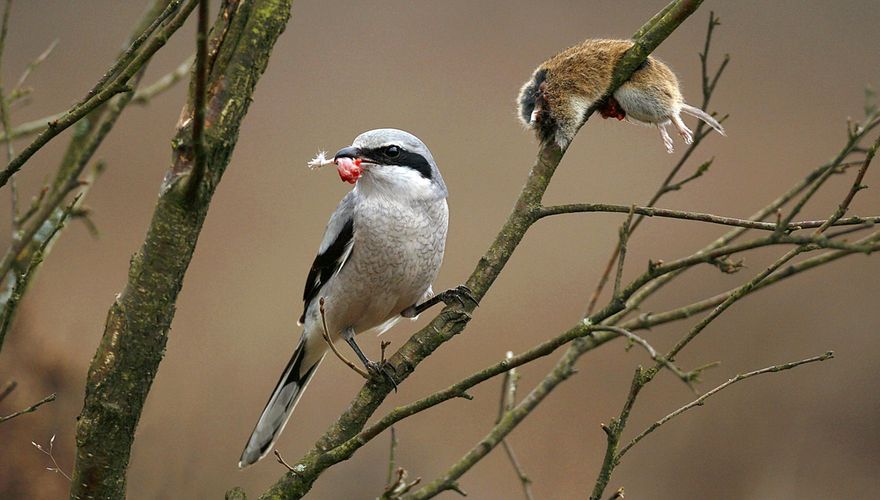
x=334 y=251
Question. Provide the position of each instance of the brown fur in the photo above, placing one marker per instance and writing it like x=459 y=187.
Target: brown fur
x=574 y=79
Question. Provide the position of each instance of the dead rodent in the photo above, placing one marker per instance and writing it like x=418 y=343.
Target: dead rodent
x=555 y=99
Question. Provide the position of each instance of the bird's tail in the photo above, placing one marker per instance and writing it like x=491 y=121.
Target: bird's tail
x=281 y=404
x=702 y=115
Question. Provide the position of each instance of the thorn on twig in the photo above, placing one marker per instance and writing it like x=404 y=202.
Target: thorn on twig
x=283 y=462
x=456 y=488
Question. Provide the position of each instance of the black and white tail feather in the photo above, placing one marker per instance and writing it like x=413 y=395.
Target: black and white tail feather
x=290 y=388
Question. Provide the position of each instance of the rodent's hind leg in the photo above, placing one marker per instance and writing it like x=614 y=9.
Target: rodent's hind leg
x=640 y=104
x=682 y=129
x=667 y=140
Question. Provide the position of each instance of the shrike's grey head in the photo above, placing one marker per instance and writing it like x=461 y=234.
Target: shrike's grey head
x=394 y=163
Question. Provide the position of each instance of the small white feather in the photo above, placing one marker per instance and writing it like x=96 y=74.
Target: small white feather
x=319 y=161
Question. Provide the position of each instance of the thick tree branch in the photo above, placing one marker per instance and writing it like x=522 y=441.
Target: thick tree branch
x=134 y=339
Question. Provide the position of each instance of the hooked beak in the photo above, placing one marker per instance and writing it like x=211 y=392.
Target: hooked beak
x=349 y=152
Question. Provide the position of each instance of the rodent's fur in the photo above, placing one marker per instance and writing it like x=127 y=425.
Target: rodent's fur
x=557 y=96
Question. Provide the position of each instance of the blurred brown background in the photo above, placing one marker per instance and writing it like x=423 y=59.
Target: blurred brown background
x=449 y=71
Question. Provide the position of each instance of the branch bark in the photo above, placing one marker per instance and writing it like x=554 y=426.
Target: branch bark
x=135 y=335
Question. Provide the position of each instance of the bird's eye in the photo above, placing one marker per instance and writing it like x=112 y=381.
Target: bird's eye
x=392 y=151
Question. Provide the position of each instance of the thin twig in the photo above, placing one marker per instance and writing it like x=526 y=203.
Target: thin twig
x=649 y=211
x=4 y=112
x=146 y=94
x=282 y=461
x=508 y=402
x=686 y=377
x=143 y=96
x=392 y=458
x=744 y=289
x=326 y=335
x=633 y=301
x=200 y=89
x=699 y=401
x=29 y=409
x=625 y=231
x=647 y=321
x=56 y=468
x=34 y=64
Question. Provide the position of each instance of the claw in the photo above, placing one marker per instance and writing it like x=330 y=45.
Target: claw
x=458 y=293
x=383 y=369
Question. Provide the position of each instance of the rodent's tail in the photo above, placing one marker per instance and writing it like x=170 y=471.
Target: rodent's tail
x=702 y=115
x=281 y=404
x=528 y=97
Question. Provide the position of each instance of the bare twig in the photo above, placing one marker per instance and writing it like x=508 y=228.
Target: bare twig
x=399 y=485
x=686 y=377
x=326 y=335
x=744 y=289
x=392 y=458
x=699 y=401
x=281 y=460
x=4 y=111
x=643 y=377
x=146 y=94
x=55 y=468
x=29 y=409
x=625 y=231
x=648 y=211
x=143 y=96
x=200 y=90
x=508 y=402
x=33 y=65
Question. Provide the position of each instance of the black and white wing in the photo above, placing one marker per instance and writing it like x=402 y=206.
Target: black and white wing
x=334 y=251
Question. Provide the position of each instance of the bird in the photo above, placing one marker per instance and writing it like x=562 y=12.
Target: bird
x=555 y=99
x=381 y=251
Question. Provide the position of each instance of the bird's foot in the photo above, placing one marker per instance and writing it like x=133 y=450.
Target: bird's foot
x=382 y=370
x=458 y=295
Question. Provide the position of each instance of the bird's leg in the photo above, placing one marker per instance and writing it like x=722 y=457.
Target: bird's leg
x=449 y=297
x=383 y=368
